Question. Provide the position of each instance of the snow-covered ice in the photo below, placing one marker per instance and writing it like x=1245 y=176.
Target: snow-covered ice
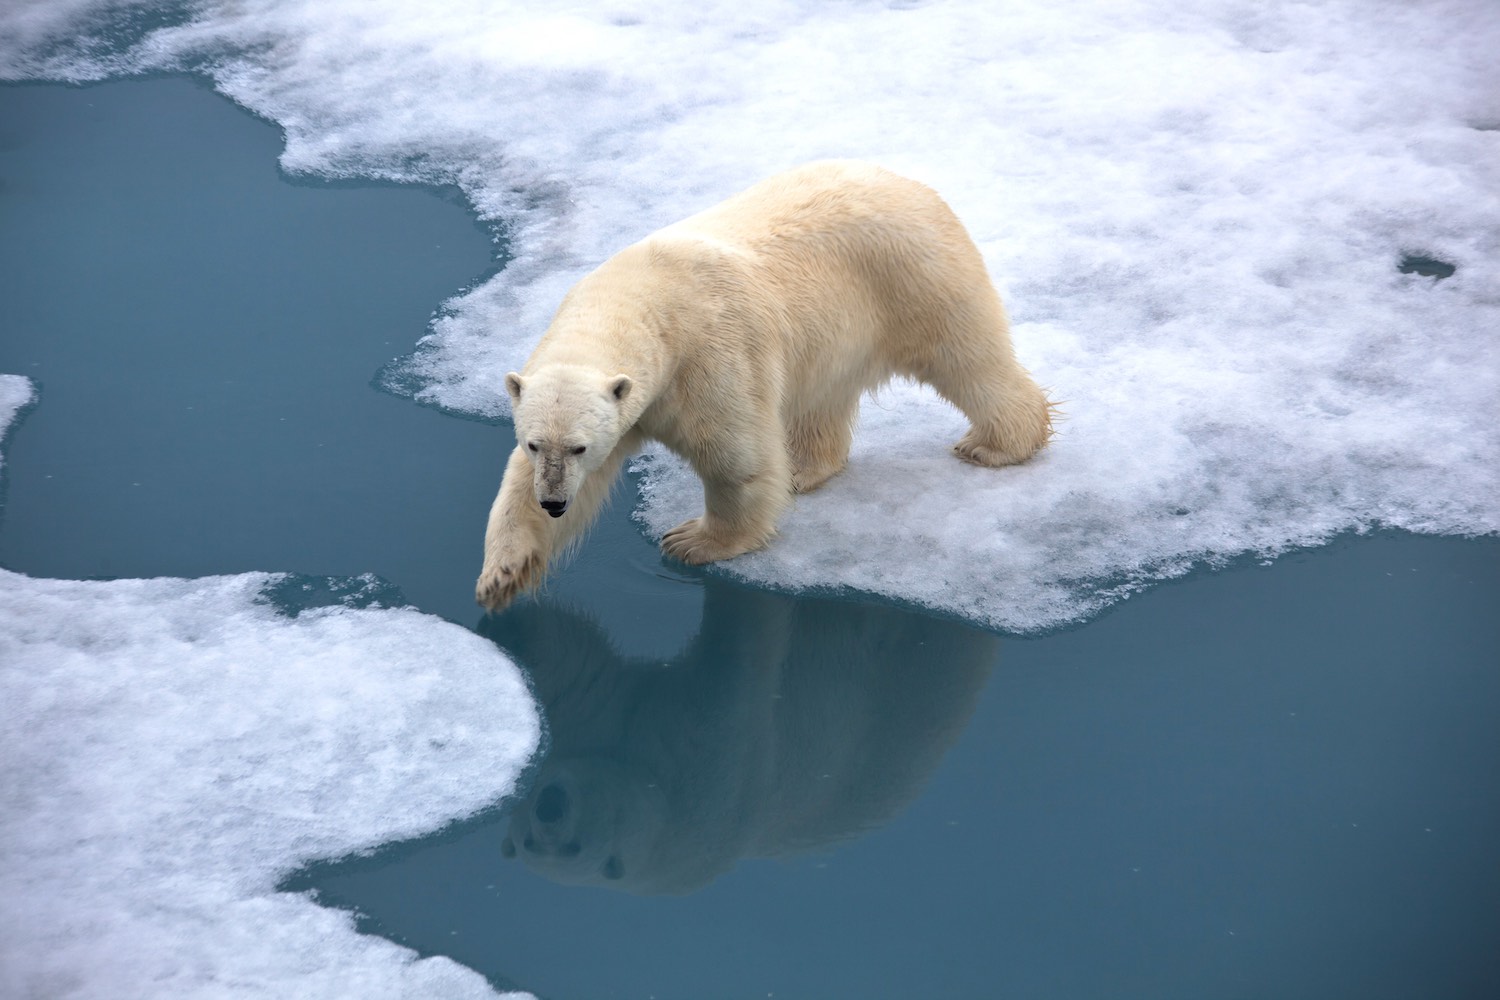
x=1196 y=215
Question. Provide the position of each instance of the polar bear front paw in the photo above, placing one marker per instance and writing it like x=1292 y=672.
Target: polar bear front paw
x=695 y=543
x=501 y=582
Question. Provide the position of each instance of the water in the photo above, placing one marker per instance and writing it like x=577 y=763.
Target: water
x=1267 y=782
x=1272 y=780
x=204 y=334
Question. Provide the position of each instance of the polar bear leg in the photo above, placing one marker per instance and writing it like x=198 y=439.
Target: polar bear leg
x=819 y=444
x=521 y=539
x=1010 y=418
x=743 y=495
x=973 y=366
x=517 y=540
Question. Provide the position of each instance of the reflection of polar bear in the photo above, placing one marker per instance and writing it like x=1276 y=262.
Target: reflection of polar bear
x=786 y=724
x=742 y=339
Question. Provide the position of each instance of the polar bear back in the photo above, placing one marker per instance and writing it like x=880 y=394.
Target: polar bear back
x=853 y=270
x=837 y=273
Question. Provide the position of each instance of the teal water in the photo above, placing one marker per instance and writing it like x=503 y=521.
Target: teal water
x=1267 y=781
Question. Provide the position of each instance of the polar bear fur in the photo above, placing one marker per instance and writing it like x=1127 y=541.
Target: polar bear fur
x=742 y=338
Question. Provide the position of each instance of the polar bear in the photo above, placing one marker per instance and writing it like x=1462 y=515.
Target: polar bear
x=742 y=338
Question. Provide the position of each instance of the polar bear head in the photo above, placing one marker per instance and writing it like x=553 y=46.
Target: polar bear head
x=569 y=419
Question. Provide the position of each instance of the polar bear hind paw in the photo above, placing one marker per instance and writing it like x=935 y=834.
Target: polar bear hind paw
x=805 y=480
x=975 y=451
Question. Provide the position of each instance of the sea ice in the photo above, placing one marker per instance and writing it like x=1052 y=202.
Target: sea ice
x=1196 y=215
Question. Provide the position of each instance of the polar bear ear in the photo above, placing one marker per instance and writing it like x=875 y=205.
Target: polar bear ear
x=513 y=386
x=619 y=387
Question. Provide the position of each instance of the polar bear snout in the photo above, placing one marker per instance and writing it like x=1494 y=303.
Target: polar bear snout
x=557 y=478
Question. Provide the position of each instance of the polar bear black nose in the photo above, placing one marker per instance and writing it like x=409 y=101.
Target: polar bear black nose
x=555 y=507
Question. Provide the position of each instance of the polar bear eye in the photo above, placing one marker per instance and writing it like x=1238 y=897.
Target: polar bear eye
x=580 y=449
x=531 y=446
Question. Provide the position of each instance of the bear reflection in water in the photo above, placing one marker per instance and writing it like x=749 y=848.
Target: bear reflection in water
x=786 y=724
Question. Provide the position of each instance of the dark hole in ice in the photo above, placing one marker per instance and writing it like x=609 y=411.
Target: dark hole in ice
x=1428 y=267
